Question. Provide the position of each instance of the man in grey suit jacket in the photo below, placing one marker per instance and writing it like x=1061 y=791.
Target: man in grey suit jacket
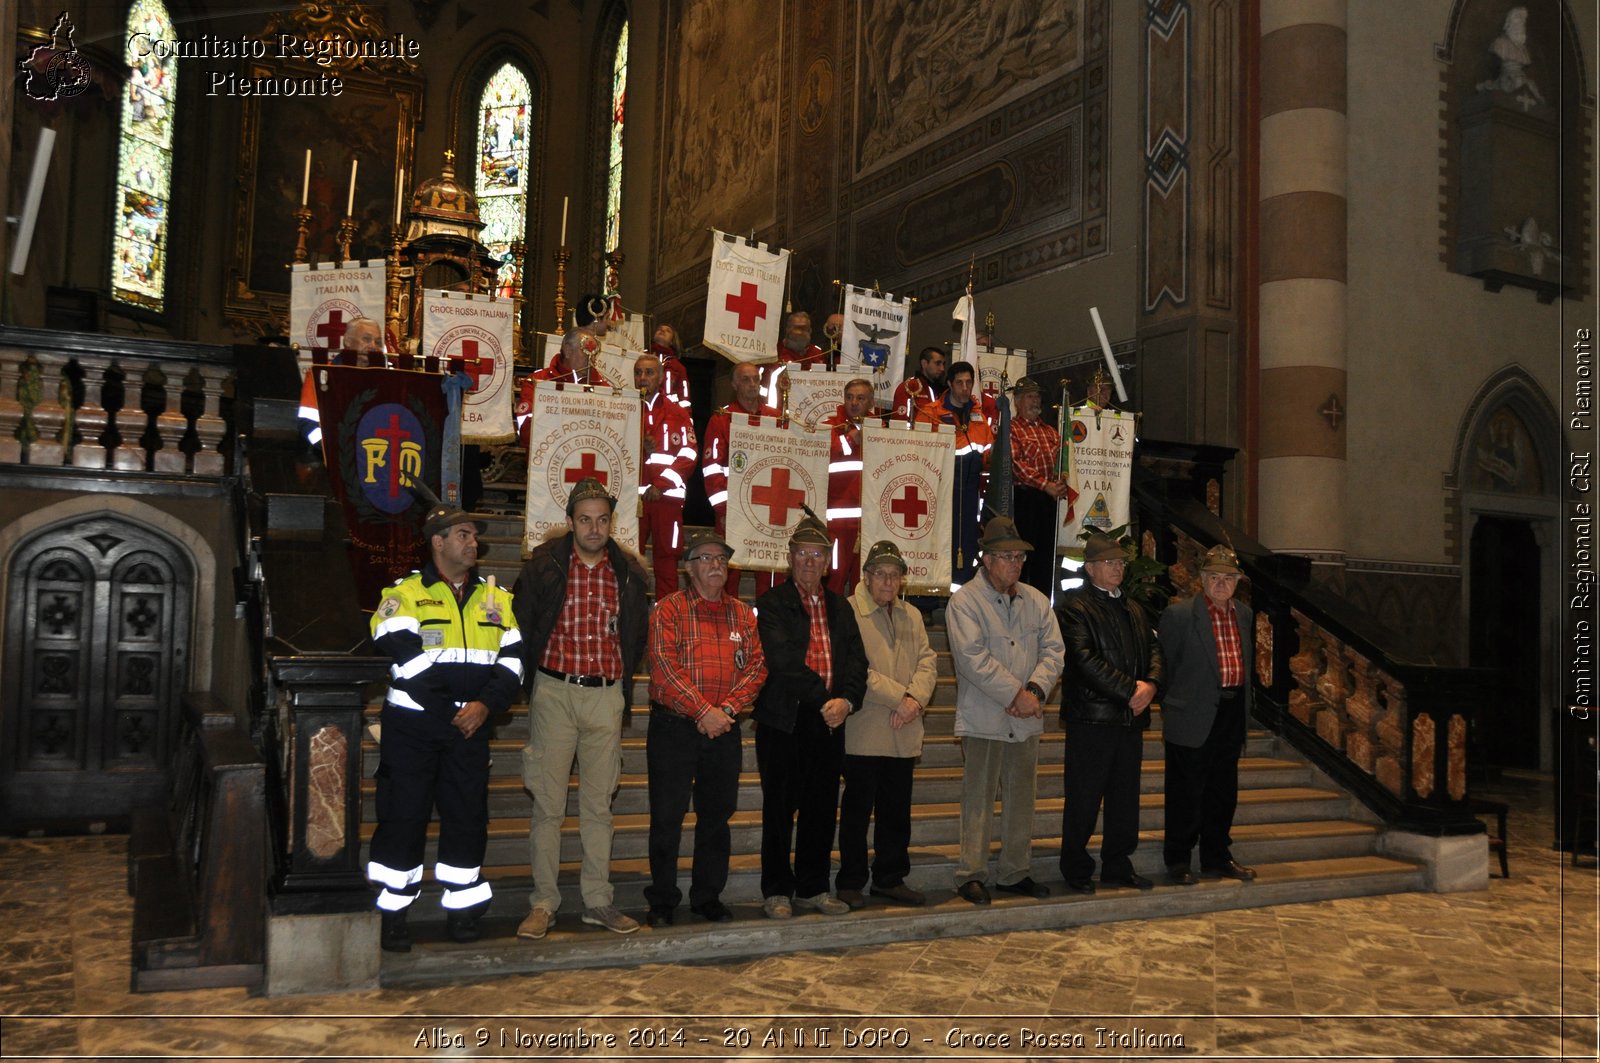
x=1209 y=648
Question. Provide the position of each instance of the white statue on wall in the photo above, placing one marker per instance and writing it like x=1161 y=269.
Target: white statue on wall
x=1511 y=49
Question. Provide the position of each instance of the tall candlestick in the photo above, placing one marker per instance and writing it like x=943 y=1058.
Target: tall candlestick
x=350 y=201
x=399 y=196
x=305 y=182
x=563 y=221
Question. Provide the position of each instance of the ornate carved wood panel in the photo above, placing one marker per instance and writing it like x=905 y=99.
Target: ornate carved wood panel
x=96 y=645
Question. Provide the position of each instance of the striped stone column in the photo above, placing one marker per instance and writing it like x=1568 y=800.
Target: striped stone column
x=1302 y=294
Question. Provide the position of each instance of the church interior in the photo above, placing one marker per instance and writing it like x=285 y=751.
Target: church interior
x=1344 y=256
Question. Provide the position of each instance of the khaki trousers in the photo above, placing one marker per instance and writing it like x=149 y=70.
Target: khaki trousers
x=1011 y=769
x=563 y=720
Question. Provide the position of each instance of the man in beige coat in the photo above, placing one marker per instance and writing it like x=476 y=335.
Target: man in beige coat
x=883 y=740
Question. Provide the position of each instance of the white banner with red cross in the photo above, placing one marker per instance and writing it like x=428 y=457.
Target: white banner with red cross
x=478 y=330
x=324 y=297
x=815 y=394
x=744 y=298
x=772 y=472
x=906 y=498
x=873 y=342
x=1000 y=365
x=578 y=433
x=1102 y=473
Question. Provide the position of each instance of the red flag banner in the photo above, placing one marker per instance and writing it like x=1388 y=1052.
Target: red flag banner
x=379 y=428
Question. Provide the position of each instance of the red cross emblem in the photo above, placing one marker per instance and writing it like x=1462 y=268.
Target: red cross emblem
x=749 y=308
x=333 y=329
x=394 y=435
x=475 y=367
x=778 y=497
x=909 y=506
x=585 y=467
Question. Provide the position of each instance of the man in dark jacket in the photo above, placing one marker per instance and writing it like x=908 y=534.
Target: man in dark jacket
x=1209 y=646
x=816 y=676
x=580 y=602
x=1113 y=674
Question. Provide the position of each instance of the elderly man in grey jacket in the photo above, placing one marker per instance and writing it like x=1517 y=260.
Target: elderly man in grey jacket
x=884 y=739
x=1008 y=655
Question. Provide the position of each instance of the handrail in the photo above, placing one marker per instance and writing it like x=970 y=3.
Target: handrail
x=1332 y=681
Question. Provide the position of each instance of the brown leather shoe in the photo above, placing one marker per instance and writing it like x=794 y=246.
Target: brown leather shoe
x=1231 y=869
x=901 y=894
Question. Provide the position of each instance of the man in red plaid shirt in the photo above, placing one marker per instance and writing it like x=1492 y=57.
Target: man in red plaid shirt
x=706 y=668
x=1209 y=646
x=1035 y=448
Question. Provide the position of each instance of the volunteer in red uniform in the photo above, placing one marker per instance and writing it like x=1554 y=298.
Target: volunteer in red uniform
x=674 y=375
x=795 y=348
x=714 y=462
x=573 y=364
x=844 y=484
x=667 y=437
x=925 y=387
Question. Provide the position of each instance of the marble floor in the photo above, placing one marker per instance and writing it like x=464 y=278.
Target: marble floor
x=1510 y=972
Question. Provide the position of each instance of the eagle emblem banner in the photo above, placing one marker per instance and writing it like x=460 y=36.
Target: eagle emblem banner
x=324 y=297
x=476 y=329
x=577 y=433
x=1102 y=472
x=744 y=299
x=906 y=482
x=772 y=472
x=873 y=342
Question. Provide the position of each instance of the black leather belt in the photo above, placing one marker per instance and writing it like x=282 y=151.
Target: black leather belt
x=578 y=680
x=1230 y=693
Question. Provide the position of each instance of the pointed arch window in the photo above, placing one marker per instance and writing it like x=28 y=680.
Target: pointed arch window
x=619 y=99
x=504 y=112
x=144 y=163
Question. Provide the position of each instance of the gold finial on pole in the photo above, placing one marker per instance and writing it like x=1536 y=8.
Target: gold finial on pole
x=563 y=256
x=302 y=216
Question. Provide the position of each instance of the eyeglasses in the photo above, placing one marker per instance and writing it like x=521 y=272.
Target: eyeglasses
x=1010 y=556
x=712 y=559
x=809 y=555
x=1114 y=563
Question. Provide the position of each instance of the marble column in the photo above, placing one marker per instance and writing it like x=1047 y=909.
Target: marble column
x=1302 y=295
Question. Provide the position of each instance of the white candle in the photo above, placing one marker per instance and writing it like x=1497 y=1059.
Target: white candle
x=350 y=201
x=399 y=196
x=563 y=221
x=305 y=182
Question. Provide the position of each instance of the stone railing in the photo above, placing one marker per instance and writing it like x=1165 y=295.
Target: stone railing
x=94 y=401
x=1392 y=730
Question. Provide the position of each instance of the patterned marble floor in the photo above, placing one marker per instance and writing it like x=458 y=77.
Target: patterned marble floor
x=1502 y=973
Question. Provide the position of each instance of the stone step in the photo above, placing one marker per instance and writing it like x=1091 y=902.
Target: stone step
x=572 y=945
x=931 y=824
x=938 y=751
x=930 y=785
x=933 y=865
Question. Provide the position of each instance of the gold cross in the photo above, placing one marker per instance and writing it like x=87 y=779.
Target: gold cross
x=449 y=157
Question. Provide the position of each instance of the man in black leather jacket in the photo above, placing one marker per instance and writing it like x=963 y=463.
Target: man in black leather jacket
x=816 y=677
x=1113 y=673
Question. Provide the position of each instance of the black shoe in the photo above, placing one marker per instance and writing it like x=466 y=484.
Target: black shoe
x=1024 y=887
x=658 y=915
x=1231 y=869
x=1132 y=880
x=973 y=891
x=713 y=912
x=395 y=936
x=1180 y=875
x=1080 y=885
x=462 y=926
x=901 y=894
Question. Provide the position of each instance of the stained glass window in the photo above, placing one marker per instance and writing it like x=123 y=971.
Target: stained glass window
x=619 y=97
x=504 y=110
x=144 y=165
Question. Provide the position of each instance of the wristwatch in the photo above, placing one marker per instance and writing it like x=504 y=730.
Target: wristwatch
x=1033 y=688
x=732 y=715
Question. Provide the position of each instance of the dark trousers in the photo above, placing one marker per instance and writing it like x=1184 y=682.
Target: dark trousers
x=877 y=788
x=1202 y=790
x=423 y=761
x=681 y=762
x=1102 y=763
x=799 y=804
x=1035 y=514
